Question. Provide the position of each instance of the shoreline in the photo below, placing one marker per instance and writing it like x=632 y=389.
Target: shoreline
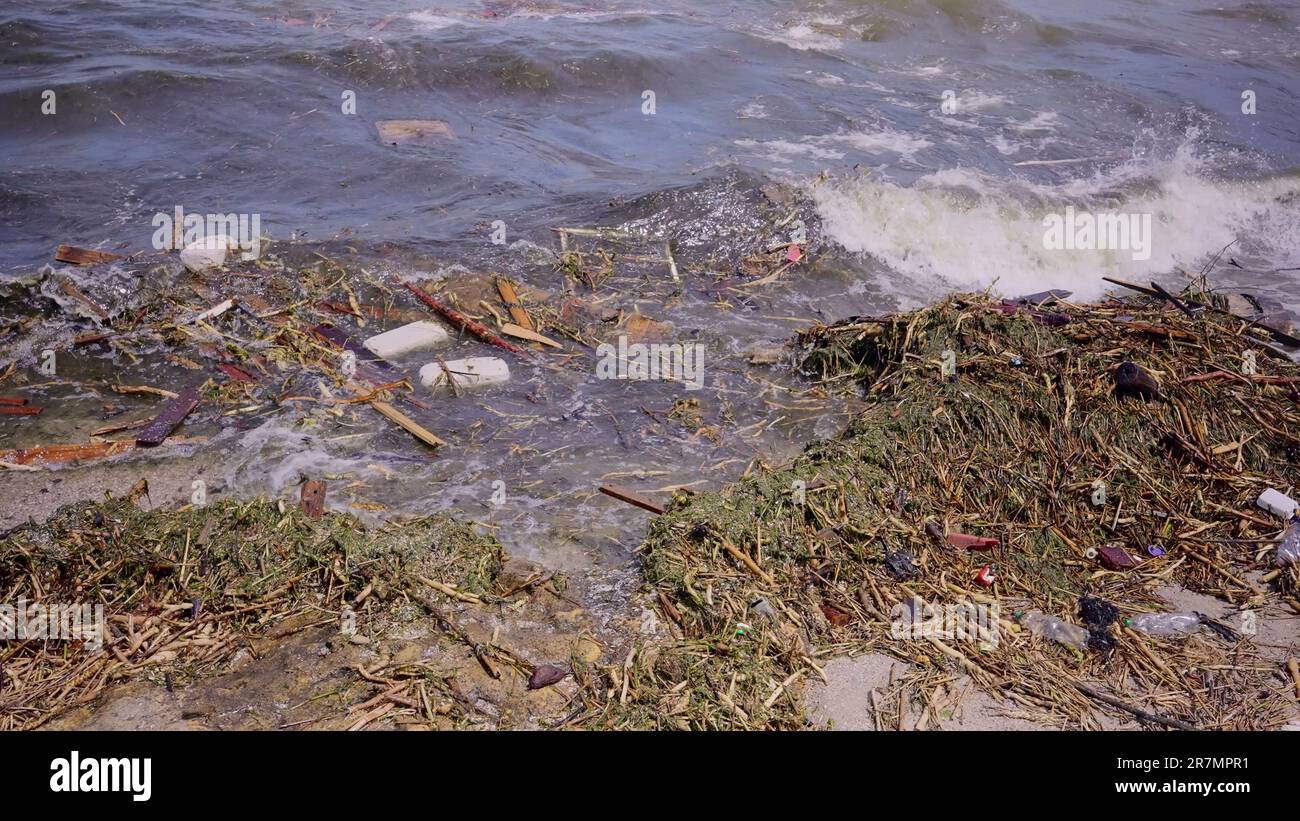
x=747 y=594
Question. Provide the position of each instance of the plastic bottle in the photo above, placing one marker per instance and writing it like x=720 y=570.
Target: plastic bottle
x=1165 y=624
x=1050 y=627
x=1288 y=550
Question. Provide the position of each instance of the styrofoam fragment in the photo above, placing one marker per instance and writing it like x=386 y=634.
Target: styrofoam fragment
x=476 y=371
x=1277 y=503
x=412 y=337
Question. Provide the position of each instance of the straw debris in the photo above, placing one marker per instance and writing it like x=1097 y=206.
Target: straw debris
x=761 y=583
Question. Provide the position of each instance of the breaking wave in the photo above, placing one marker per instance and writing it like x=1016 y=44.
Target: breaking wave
x=962 y=228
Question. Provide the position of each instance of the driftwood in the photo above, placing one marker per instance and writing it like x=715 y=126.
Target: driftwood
x=463 y=322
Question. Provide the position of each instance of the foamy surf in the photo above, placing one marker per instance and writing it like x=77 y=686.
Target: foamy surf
x=960 y=228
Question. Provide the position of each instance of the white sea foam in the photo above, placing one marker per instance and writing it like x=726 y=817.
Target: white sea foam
x=874 y=142
x=885 y=141
x=784 y=151
x=961 y=228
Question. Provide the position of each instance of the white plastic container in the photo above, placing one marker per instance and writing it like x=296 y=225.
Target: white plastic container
x=1277 y=503
x=413 y=337
x=474 y=372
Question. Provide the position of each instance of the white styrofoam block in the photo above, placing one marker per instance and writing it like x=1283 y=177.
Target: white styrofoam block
x=209 y=252
x=413 y=337
x=473 y=372
x=1277 y=503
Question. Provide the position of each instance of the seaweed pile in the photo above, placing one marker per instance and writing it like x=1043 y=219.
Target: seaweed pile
x=763 y=582
x=184 y=592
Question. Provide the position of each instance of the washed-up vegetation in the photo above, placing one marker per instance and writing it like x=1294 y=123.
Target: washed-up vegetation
x=764 y=582
x=185 y=592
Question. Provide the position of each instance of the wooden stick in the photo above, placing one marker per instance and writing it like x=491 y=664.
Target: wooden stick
x=631 y=498
x=410 y=425
x=747 y=562
x=76 y=293
x=518 y=313
x=463 y=322
x=448 y=590
x=1129 y=708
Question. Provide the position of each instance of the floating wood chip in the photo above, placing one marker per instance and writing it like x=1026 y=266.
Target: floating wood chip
x=631 y=498
x=62 y=454
x=117 y=427
x=510 y=329
x=131 y=389
x=312 y=499
x=73 y=255
x=518 y=313
x=19 y=410
x=410 y=425
x=164 y=423
x=215 y=311
x=402 y=132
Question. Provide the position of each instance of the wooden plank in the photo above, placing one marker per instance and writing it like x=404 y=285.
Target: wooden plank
x=624 y=495
x=172 y=415
x=410 y=425
x=73 y=255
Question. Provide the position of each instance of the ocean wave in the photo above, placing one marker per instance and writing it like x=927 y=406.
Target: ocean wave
x=962 y=228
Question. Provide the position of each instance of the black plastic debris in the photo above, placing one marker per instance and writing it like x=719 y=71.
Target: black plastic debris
x=900 y=565
x=1098 y=615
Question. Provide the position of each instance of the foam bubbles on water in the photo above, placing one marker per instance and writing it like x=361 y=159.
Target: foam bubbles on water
x=961 y=228
x=874 y=142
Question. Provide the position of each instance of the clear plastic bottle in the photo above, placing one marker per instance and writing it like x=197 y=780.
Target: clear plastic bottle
x=1050 y=627
x=1288 y=550
x=1165 y=624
